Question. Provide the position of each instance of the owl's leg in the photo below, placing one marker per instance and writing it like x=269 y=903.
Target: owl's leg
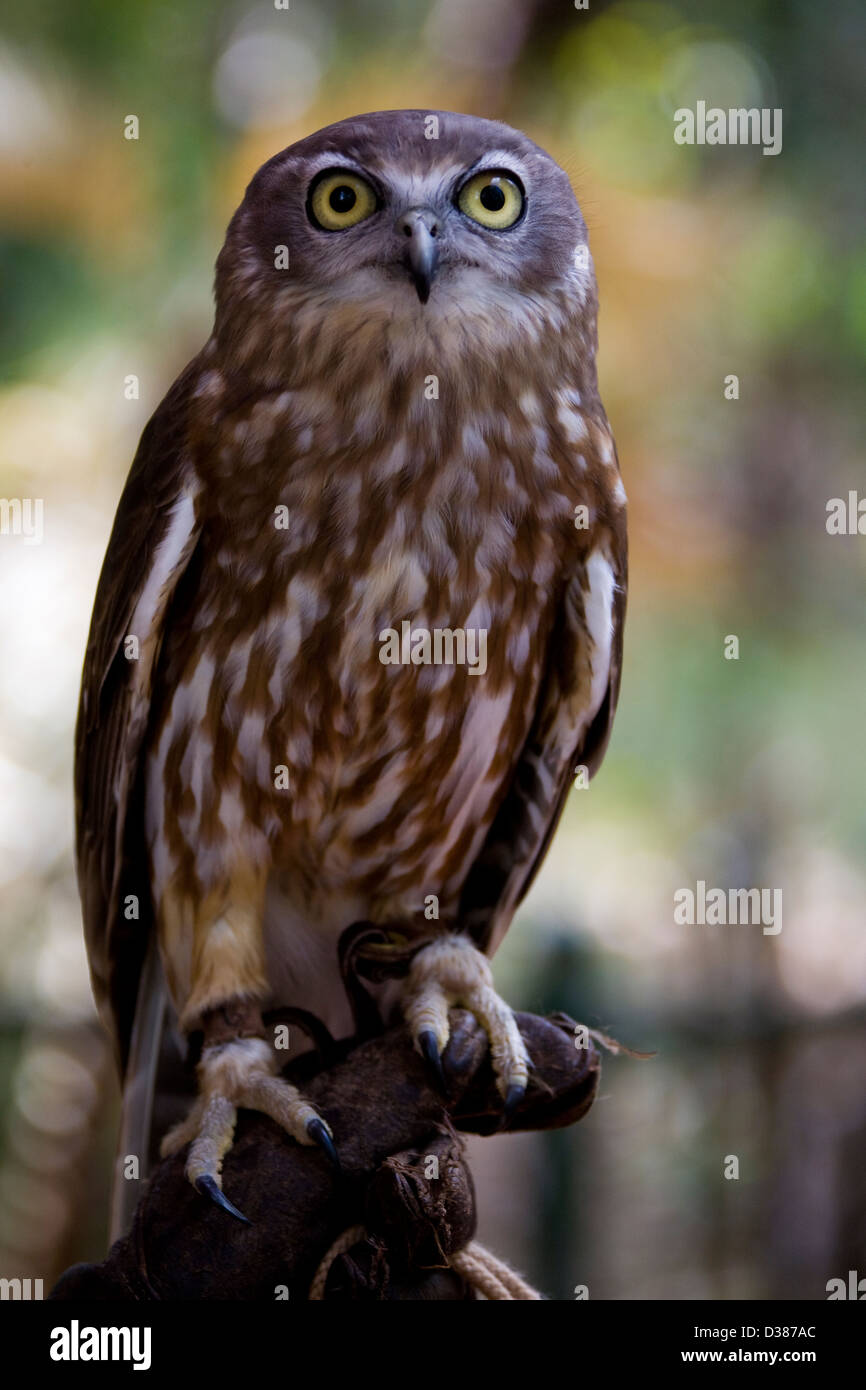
x=449 y=972
x=213 y=954
x=239 y=1070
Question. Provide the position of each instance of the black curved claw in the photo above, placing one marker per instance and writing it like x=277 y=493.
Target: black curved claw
x=513 y=1096
x=430 y=1052
x=208 y=1188
x=319 y=1135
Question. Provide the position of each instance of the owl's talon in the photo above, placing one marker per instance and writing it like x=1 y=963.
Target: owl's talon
x=208 y=1187
x=321 y=1135
x=429 y=1049
x=452 y=972
x=513 y=1096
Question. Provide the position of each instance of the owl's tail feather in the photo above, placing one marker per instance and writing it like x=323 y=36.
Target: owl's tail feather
x=135 y=1141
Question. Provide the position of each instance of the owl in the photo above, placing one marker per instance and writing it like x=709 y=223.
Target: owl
x=359 y=625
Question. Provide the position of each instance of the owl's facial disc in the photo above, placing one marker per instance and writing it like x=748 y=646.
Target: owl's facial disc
x=377 y=229
x=407 y=223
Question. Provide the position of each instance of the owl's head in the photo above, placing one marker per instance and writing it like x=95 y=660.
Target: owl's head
x=403 y=226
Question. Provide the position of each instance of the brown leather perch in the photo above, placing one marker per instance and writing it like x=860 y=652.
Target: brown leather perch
x=388 y=1121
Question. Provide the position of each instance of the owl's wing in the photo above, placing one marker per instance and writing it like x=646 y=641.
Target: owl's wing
x=154 y=535
x=571 y=728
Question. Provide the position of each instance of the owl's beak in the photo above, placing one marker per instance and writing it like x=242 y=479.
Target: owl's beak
x=421 y=226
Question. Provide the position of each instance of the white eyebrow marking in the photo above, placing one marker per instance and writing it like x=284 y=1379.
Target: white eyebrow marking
x=334 y=159
x=500 y=159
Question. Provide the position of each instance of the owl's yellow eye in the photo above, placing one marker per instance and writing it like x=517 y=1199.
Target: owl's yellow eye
x=493 y=199
x=341 y=199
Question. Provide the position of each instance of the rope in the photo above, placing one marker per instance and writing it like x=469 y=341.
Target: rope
x=476 y=1264
x=490 y=1275
x=343 y=1243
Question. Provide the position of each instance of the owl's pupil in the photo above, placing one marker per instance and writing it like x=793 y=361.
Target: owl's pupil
x=343 y=199
x=492 y=198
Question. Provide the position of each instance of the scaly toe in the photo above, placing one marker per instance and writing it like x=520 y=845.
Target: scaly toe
x=451 y=971
x=233 y=1075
